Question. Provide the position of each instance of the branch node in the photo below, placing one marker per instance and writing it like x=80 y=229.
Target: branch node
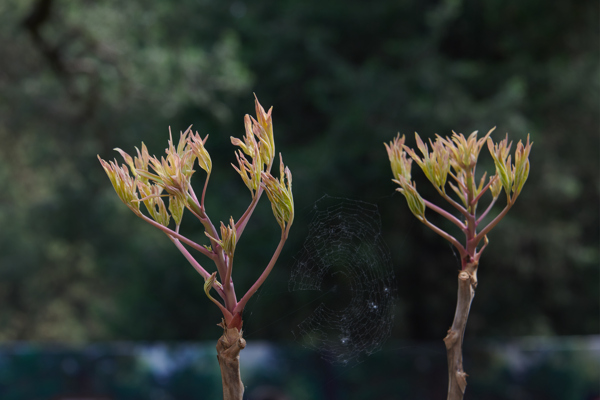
x=461 y=378
x=451 y=338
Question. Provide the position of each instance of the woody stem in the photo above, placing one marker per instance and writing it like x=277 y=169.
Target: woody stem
x=457 y=378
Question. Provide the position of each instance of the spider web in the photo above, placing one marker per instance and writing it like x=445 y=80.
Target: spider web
x=345 y=254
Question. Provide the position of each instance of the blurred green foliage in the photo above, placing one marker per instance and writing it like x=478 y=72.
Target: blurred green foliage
x=80 y=78
x=530 y=369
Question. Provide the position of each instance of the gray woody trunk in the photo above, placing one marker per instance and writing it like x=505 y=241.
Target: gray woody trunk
x=228 y=353
x=457 y=378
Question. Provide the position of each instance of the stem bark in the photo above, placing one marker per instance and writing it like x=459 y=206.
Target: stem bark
x=228 y=353
x=457 y=378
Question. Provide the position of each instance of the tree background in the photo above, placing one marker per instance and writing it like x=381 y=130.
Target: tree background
x=80 y=78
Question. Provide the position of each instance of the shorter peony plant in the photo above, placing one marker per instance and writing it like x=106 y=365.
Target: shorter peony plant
x=456 y=157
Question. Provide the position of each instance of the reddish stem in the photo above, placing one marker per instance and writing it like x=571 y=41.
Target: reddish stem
x=445 y=214
x=204 y=191
x=446 y=236
x=185 y=240
x=485 y=188
x=189 y=257
x=240 y=225
x=454 y=204
x=242 y=303
x=487 y=210
x=460 y=183
x=229 y=270
x=492 y=224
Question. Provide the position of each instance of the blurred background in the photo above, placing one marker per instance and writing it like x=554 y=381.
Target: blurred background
x=82 y=278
